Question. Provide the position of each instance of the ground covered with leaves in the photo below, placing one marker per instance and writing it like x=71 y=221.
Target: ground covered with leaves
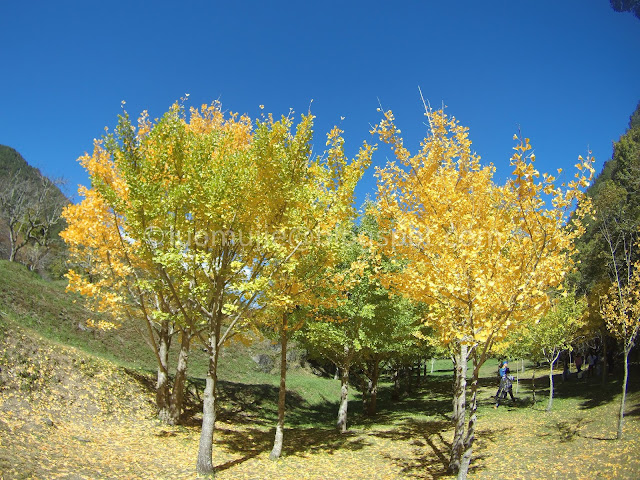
x=65 y=414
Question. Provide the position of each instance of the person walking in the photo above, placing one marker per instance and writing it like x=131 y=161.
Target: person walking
x=506 y=384
x=578 y=361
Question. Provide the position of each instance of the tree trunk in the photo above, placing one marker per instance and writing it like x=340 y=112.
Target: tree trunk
x=533 y=385
x=418 y=369
x=177 y=394
x=624 y=392
x=13 y=248
x=395 y=378
x=454 y=385
x=344 y=401
x=365 y=387
x=471 y=428
x=459 y=410
x=373 y=387
x=550 y=403
x=605 y=366
x=433 y=361
x=163 y=399
x=282 y=394
x=204 y=464
x=408 y=375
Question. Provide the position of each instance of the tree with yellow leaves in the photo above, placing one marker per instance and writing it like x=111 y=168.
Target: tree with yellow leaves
x=113 y=237
x=306 y=282
x=620 y=306
x=482 y=256
x=185 y=217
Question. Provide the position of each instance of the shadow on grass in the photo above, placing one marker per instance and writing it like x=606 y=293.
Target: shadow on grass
x=432 y=452
x=568 y=430
x=251 y=442
x=431 y=398
x=257 y=404
x=145 y=380
x=420 y=417
x=634 y=411
x=591 y=392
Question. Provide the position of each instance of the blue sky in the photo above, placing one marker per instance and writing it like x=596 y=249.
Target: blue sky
x=565 y=72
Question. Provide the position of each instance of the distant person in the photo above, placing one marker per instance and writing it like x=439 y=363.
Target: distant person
x=506 y=384
x=579 y=364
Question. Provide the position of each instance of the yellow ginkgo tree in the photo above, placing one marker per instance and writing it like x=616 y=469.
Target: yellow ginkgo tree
x=190 y=218
x=481 y=255
x=113 y=236
x=311 y=237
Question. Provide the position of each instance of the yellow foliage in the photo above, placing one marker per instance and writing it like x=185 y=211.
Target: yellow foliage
x=482 y=255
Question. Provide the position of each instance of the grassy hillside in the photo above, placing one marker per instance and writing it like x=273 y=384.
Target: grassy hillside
x=44 y=309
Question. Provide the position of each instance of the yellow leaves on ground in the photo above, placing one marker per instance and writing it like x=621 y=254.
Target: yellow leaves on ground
x=86 y=418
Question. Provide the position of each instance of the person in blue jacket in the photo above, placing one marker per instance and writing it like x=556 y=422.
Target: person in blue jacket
x=505 y=384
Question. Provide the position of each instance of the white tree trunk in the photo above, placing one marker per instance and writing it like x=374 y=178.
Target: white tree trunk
x=282 y=394
x=344 y=400
x=204 y=463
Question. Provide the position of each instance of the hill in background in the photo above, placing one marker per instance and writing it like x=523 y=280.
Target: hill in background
x=30 y=208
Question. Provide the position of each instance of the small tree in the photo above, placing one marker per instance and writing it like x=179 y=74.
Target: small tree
x=620 y=308
x=337 y=333
x=307 y=282
x=555 y=332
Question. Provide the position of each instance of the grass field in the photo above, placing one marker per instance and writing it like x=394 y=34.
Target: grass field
x=78 y=404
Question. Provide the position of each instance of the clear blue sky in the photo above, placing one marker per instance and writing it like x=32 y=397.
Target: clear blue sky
x=566 y=72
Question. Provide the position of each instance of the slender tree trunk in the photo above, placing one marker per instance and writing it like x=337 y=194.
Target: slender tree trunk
x=177 y=394
x=455 y=387
x=418 y=370
x=433 y=361
x=550 y=403
x=458 y=444
x=163 y=398
x=471 y=428
x=336 y=375
x=533 y=385
x=204 y=464
x=373 y=387
x=605 y=366
x=395 y=377
x=365 y=388
x=282 y=394
x=407 y=372
x=344 y=400
x=624 y=392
